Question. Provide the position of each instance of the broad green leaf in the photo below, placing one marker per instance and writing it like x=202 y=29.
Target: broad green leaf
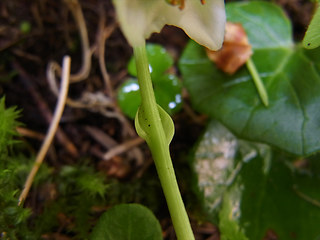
x=167 y=87
x=264 y=194
x=127 y=221
x=271 y=204
x=129 y=98
x=144 y=128
x=312 y=37
x=265 y=23
x=167 y=90
x=290 y=75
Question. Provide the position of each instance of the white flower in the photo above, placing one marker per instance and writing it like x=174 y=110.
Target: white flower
x=204 y=23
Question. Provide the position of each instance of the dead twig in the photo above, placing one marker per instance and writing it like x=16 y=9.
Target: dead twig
x=44 y=109
x=96 y=102
x=52 y=129
x=88 y=100
x=104 y=139
x=306 y=197
x=93 y=101
x=30 y=133
x=83 y=73
x=27 y=56
x=76 y=11
x=102 y=35
x=123 y=147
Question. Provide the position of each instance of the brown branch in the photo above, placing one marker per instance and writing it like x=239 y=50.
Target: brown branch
x=124 y=147
x=51 y=131
x=102 y=35
x=45 y=110
x=30 y=133
x=84 y=71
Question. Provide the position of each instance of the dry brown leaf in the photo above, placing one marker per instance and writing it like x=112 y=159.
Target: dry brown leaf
x=235 y=51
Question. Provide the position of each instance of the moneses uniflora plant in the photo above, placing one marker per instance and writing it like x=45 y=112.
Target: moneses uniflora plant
x=204 y=22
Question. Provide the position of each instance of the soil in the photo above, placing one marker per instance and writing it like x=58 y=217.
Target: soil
x=33 y=33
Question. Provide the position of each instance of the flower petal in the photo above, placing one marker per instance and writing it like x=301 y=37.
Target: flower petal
x=204 y=23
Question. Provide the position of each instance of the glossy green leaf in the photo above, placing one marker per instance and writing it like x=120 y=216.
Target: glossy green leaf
x=290 y=75
x=159 y=61
x=129 y=98
x=127 y=221
x=264 y=196
x=265 y=23
x=271 y=204
x=167 y=89
x=312 y=37
x=144 y=128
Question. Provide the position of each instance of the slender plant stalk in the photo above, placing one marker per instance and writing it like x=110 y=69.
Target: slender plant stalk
x=258 y=82
x=159 y=147
x=52 y=129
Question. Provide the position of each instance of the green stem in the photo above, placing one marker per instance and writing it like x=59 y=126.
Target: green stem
x=159 y=147
x=258 y=82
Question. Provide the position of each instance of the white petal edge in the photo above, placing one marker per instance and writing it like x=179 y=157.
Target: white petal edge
x=203 y=23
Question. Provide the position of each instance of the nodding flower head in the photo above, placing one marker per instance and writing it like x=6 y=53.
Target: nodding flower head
x=203 y=20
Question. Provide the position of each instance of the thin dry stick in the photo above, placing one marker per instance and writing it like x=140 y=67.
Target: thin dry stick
x=103 y=34
x=44 y=109
x=123 y=148
x=84 y=71
x=52 y=129
x=87 y=101
x=54 y=68
x=76 y=11
x=306 y=197
x=30 y=133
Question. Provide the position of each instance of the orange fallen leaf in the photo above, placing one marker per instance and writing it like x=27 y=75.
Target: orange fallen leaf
x=235 y=51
